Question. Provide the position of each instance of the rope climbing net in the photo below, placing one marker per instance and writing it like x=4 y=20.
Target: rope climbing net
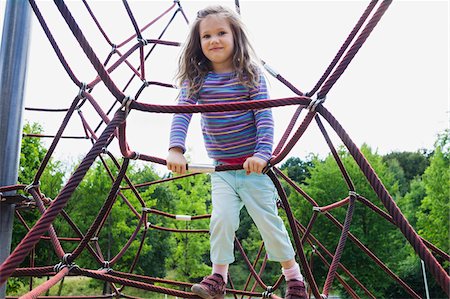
x=114 y=131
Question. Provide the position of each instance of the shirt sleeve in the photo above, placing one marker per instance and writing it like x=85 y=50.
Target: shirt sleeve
x=263 y=121
x=180 y=121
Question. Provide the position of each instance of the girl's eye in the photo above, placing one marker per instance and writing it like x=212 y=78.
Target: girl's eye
x=222 y=33
x=206 y=36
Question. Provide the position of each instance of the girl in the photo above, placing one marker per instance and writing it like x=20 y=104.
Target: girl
x=216 y=66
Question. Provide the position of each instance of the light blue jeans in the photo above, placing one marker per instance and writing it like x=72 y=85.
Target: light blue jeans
x=231 y=190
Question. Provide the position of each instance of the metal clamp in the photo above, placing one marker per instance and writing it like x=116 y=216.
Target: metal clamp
x=143 y=41
x=136 y=156
x=271 y=70
x=126 y=104
x=83 y=88
x=201 y=168
x=268 y=292
x=183 y=217
x=30 y=186
x=267 y=168
x=314 y=103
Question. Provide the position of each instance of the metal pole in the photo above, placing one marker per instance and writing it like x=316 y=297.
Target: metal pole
x=13 y=64
x=425 y=281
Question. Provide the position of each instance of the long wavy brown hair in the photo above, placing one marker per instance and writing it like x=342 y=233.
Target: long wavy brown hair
x=193 y=65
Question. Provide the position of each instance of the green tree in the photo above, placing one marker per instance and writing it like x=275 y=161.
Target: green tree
x=413 y=164
x=410 y=203
x=122 y=221
x=326 y=186
x=158 y=245
x=433 y=214
x=190 y=260
x=297 y=169
x=32 y=153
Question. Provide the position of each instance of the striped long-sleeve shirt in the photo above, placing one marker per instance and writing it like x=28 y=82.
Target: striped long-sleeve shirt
x=231 y=134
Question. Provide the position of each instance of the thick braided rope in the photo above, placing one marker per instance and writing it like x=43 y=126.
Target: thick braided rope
x=300 y=253
x=145 y=27
x=249 y=264
x=354 y=239
x=101 y=214
x=344 y=46
x=388 y=217
x=47 y=284
x=354 y=49
x=101 y=275
x=51 y=230
x=340 y=247
x=109 y=83
x=314 y=242
x=335 y=154
x=36 y=271
x=435 y=268
x=255 y=104
x=53 y=43
x=77 y=231
x=55 y=141
x=33 y=236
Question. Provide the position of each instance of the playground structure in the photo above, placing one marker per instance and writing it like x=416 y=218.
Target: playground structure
x=115 y=132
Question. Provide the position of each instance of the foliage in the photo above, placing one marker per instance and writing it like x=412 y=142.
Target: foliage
x=190 y=258
x=433 y=215
x=410 y=203
x=326 y=186
x=297 y=169
x=31 y=156
x=412 y=164
x=419 y=183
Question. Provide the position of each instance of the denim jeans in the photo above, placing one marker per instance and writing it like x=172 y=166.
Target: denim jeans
x=231 y=190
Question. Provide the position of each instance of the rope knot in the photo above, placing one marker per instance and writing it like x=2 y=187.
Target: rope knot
x=268 y=292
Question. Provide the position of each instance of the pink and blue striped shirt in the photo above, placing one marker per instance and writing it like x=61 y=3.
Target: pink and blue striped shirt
x=232 y=134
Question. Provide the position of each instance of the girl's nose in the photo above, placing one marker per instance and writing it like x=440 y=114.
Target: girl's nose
x=214 y=39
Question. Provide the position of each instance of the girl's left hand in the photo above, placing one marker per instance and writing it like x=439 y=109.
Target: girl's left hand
x=254 y=164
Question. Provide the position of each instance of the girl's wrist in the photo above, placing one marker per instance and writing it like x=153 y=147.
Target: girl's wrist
x=176 y=149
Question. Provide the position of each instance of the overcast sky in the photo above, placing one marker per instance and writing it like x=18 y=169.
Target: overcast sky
x=394 y=95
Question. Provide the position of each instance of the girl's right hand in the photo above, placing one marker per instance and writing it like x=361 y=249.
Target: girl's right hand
x=176 y=161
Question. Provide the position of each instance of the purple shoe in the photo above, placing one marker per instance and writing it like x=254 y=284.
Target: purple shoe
x=295 y=290
x=211 y=287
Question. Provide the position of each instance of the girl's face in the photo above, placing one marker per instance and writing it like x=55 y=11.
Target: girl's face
x=217 y=42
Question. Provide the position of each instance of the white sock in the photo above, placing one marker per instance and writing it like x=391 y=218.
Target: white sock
x=222 y=270
x=292 y=273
